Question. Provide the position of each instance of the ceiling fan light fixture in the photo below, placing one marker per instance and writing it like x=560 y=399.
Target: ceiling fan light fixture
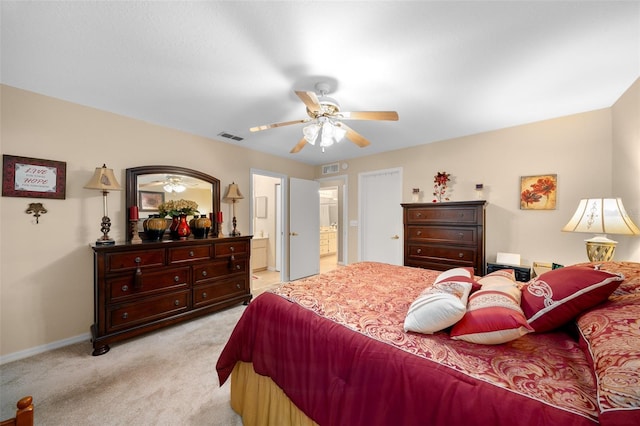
x=311 y=133
x=174 y=187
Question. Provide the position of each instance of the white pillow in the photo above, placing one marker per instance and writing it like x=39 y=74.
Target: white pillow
x=442 y=304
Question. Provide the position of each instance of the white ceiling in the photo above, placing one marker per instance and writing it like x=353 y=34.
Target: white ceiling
x=449 y=68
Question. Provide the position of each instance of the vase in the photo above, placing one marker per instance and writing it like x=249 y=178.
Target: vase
x=154 y=227
x=182 y=229
x=200 y=226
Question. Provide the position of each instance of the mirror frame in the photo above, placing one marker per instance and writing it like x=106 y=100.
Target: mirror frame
x=133 y=173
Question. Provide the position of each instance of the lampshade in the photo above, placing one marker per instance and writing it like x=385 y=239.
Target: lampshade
x=233 y=193
x=103 y=179
x=601 y=216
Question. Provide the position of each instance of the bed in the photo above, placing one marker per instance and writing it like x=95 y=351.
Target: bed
x=332 y=350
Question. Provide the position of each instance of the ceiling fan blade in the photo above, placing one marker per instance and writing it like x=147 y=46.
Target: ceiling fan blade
x=274 y=125
x=299 y=146
x=355 y=137
x=310 y=99
x=369 y=115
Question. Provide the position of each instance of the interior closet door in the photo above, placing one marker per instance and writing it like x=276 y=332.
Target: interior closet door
x=380 y=216
x=304 y=228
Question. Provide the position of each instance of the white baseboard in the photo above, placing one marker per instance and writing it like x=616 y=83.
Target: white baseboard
x=44 y=348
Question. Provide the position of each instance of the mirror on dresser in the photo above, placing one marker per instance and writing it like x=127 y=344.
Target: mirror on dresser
x=148 y=186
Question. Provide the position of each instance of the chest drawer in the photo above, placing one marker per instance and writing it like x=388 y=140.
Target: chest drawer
x=217 y=269
x=149 y=309
x=229 y=249
x=189 y=254
x=461 y=215
x=440 y=253
x=220 y=290
x=147 y=282
x=133 y=259
x=443 y=234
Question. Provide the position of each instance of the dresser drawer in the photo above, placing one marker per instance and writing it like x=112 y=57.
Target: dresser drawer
x=220 y=290
x=218 y=268
x=228 y=249
x=133 y=259
x=189 y=253
x=151 y=308
x=441 y=253
x=453 y=215
x=147 y=282
x=448 y=234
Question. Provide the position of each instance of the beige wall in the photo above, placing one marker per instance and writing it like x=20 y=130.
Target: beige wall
x=46 y=292
x=578 y=148
x=46 y=276
x=626 y=164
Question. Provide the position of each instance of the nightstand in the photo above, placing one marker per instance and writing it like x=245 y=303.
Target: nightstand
x=523 y=273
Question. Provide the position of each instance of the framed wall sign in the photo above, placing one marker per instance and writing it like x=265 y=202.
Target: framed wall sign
x=33 y=177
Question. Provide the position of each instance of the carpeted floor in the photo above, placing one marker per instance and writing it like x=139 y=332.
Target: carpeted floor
x=163 y=378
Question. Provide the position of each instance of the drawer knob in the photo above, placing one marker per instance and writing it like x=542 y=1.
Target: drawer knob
x=419 y=251
x=461 y=235
x=177 y=303
x=418 y=214
x=204 y=295
x=176 y=278
x=191 y=253
x=238 y=286
x=238 y=267
x=460 y=255
x=125 y=315
x=204 y=273
x=232 y=249
x=137 y=260
x=125 y=288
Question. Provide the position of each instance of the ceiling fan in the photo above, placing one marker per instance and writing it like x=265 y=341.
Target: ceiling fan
x=169 y=184
x=325 y=120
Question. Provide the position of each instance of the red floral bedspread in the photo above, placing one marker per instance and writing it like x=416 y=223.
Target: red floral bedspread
x=610 y=334
x=302 y=336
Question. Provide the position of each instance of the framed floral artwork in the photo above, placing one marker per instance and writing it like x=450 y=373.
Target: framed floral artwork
x=538 y=192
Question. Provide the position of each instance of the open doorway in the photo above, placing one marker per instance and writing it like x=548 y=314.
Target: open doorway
x=267 y=219
x=333 y=222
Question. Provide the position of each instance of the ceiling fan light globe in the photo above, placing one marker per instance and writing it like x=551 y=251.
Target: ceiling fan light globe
x=310 y=133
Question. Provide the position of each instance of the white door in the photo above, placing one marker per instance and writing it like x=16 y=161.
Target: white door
x=380 y=216
x=304 y=228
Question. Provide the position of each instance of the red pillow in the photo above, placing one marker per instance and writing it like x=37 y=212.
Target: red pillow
x=556 y=297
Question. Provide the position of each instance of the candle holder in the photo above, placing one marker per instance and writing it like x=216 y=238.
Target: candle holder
x=133 y=231
x=220 y=233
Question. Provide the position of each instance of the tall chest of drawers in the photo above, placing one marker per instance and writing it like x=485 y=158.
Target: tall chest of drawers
x=143 y=287
x=441 y=236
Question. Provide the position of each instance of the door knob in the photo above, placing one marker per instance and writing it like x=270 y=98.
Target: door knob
x=395 y=237
x=293 y=234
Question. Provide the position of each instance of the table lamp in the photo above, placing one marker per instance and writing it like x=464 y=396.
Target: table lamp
x=104 y=180
x=233 y=195
x=601 y=216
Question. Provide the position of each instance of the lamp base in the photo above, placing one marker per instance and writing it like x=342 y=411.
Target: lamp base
x=103 y=242
x=600 y=248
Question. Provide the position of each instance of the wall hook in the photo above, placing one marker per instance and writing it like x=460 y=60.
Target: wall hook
x=36 y=209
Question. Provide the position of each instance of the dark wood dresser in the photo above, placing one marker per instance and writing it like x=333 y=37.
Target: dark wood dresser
x=150 y=285
x=442 y=236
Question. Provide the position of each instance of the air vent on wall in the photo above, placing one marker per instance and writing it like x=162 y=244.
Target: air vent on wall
x=230 y=136
x=330 y=168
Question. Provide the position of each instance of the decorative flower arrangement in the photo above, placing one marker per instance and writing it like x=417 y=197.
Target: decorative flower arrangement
x=178 y=207
x=440 y=186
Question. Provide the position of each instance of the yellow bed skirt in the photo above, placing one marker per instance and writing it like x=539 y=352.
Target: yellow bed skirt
x=259 y=401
